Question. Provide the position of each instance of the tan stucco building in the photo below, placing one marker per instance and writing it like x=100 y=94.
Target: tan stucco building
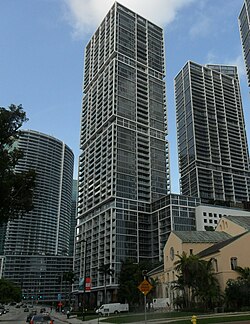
x=227 y=246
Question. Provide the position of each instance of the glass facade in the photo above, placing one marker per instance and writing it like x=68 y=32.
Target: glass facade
x=45 y=229
x=212 y=143
x=123 y=166
x=244 y=25
x=40 y=277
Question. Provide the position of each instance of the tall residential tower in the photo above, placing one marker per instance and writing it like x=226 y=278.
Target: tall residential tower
x=244 y=24
x=123 y=166
x=212 y=143
x=36 y=247
x=46 y=229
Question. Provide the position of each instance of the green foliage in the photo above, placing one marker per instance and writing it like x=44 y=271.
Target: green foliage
x=106 y=270
x=237 y=293
x=69 y=277
x=197 y=282
x=9 y=291
x=16 y=189
x=130 y=278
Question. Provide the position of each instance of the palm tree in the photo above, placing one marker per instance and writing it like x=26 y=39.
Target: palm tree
x=197 y=280
x=106 y=271
x=208 y=289
x=68 y=277
x=188 y=267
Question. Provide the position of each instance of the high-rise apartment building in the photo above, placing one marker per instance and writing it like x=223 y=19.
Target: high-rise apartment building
x=123 y=166
x=244 y=24
x=212 y=143
x=37 y=245
x=73 y=216
x=46 y=229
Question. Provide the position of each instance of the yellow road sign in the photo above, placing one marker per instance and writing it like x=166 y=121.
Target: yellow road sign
x=145 y=287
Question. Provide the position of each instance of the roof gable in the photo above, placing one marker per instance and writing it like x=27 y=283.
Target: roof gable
x=201 y=236
x=218 y=246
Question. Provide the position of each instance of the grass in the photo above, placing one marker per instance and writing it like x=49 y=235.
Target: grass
x=136 y=318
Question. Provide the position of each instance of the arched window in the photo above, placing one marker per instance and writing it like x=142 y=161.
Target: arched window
x=233 y=263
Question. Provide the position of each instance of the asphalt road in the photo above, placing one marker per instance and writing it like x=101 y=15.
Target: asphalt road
x=18 y=316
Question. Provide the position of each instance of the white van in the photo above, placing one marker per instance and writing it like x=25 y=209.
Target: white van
x=114 y=308
x=161 y=303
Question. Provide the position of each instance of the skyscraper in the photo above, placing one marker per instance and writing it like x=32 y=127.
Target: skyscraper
x=212 y=143
x=36 y=247
x=244 y=24
x=123 y=166
x=44 y=230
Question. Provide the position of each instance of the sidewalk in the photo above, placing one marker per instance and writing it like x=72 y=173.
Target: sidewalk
x=73 y=319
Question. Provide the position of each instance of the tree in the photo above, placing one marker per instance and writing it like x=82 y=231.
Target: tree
x=106 y=271
x=9 y=291
x=197 y=281
x=16 y=188
x=130 y=277
x=244 y=273
x=69 y=278
x=237 y=293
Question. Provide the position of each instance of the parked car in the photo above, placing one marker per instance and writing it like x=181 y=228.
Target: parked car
x=41 y=319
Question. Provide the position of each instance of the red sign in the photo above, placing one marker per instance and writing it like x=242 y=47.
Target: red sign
x=87 y=284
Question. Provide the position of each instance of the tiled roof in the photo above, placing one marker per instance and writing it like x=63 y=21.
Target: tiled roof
x=202 y=236
x=216 y=247
x=243 y=221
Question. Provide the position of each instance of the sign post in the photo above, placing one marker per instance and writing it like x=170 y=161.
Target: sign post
x=145 y=288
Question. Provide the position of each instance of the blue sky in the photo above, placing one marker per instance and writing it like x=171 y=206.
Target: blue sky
x=42 y=49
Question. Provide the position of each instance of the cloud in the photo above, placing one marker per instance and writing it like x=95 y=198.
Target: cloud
x=201 y=28
x=85 y=15
x=211 y=57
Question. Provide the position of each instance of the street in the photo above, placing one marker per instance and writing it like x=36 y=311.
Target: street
x=18 y=316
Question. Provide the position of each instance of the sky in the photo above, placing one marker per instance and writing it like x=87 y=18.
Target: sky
x=42 y=53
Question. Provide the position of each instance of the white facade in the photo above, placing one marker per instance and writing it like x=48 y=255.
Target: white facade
x=209 y=216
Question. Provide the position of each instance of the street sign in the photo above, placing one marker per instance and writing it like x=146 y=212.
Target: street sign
x=145 y=287
x=88 y=284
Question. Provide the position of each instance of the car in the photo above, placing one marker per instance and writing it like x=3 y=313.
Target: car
x=29 y=317
x=2 y=310
x=41 y=319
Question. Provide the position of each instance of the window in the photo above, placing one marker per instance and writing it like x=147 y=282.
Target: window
x=215 y=265
x=233 y=263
